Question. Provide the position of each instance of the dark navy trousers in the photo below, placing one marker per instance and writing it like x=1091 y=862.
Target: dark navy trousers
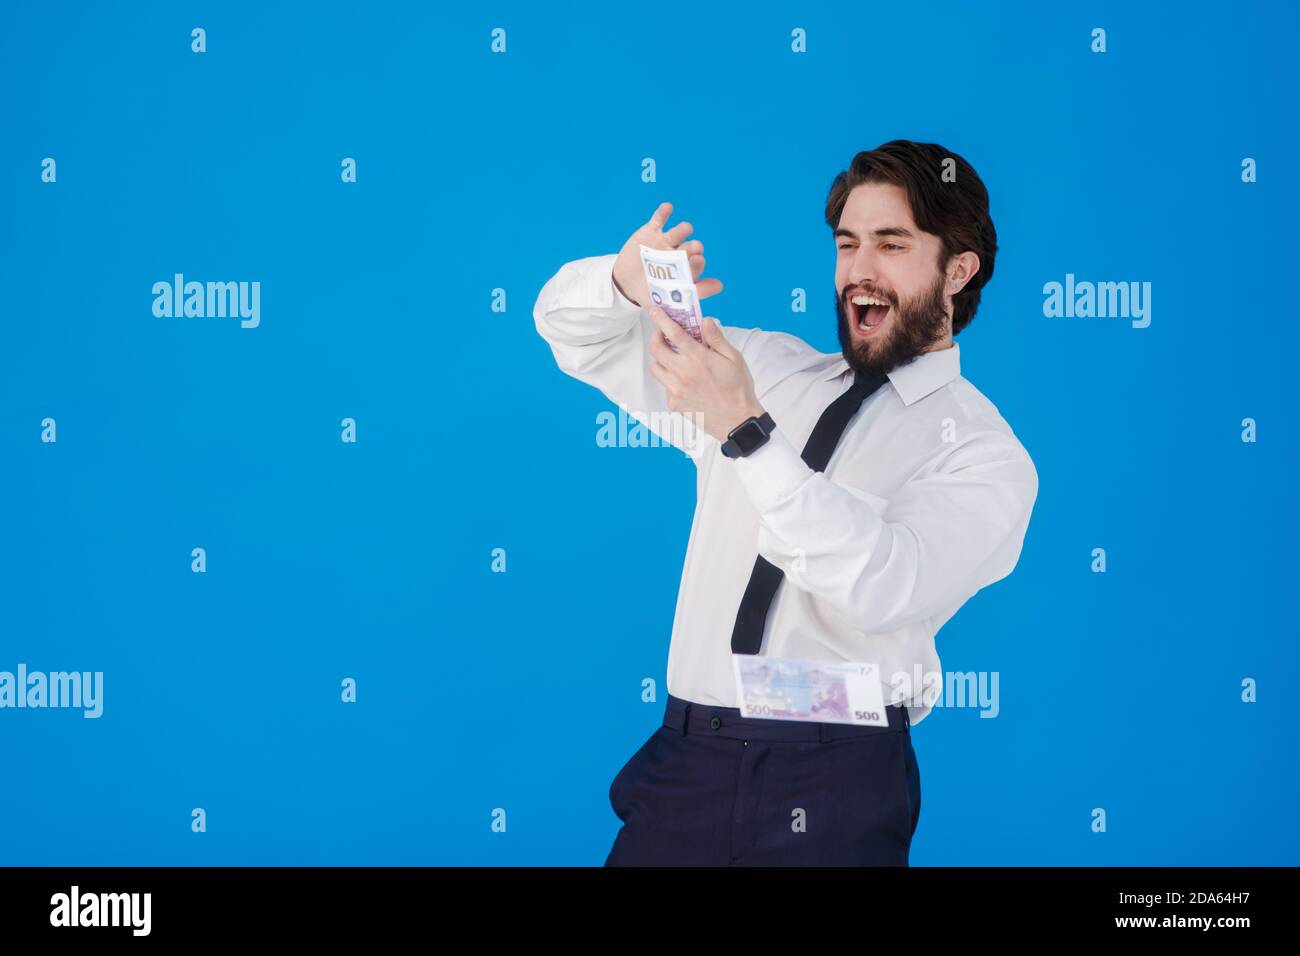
x=713 y=788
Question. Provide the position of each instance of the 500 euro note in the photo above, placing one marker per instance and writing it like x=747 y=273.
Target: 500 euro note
x=832 y=692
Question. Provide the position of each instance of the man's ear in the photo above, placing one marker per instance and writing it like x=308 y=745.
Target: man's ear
x=960 y=270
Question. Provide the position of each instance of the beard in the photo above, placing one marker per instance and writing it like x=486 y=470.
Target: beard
x=918 y=324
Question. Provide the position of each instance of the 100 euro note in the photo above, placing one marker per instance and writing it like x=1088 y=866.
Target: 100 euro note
x=831 y=692
x=672 y=287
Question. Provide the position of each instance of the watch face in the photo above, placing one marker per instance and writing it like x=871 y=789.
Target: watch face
x=749 y=436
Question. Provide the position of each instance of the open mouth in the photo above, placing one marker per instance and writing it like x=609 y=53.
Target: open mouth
x=867 y=312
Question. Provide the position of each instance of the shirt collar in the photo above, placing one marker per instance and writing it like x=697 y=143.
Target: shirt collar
x=916 y=379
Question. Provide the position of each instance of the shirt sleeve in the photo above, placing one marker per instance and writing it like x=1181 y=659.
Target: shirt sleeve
x=600 y=337
x=890 y=563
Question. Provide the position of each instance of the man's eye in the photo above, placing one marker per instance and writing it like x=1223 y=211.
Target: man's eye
x=845 y=246
x=892 y=245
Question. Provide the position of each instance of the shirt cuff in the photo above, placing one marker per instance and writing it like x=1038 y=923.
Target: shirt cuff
x=589 y=284
x=772 y=473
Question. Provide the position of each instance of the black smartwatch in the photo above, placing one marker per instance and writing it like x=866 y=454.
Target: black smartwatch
x=749 y=436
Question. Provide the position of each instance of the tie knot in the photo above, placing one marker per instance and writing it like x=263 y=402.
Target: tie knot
x=864 y=383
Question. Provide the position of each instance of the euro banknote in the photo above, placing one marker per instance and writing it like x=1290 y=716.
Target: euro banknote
x=832 y=692
x=672 y=287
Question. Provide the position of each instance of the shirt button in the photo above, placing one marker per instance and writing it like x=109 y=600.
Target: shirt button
x=715 y=723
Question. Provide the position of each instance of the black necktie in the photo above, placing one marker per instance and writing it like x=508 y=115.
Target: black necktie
x=747 y=636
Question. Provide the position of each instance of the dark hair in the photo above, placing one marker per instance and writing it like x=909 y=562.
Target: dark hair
x=956 y=211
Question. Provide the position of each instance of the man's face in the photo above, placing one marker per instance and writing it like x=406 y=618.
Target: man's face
x=882 y=255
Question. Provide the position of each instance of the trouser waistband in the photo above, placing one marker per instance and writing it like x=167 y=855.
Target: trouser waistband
x=688 y=717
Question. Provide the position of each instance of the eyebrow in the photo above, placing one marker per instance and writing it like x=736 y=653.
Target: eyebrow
x=897 y=231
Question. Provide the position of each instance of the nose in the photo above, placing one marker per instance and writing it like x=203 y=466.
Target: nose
x=864 y=269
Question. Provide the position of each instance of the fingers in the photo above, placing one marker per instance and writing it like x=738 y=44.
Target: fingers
x=661 y=214
x=664 y=377
x=705 y=287
x=715 y=339
x=659 y=348
x=708 y=287
x=676 y=237
x=678 y=233
x=711 y=334
x=673 y=332
x=697 y=264
x=665 y=360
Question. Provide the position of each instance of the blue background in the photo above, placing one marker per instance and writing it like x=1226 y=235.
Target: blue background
x=477 y=171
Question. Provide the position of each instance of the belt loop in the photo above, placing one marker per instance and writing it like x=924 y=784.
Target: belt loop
x=686 y=717
x=823 y=732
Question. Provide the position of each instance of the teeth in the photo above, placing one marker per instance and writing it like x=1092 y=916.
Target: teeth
x=867 y=300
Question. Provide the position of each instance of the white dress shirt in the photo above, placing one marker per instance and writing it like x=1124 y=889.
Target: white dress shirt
x=925 y=500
